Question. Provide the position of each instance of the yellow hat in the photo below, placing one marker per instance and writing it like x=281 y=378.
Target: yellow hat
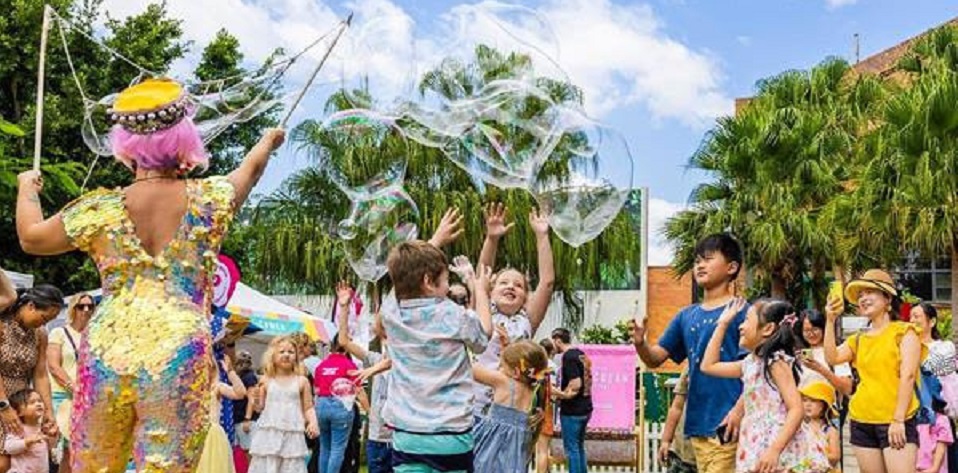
x=151 y=105
x=878 y=279
x=820 y=391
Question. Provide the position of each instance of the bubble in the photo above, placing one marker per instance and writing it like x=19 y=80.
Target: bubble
x=346 y=229
x=373 y=61
x=584 y=187
x=378 y=222
x=361 y=151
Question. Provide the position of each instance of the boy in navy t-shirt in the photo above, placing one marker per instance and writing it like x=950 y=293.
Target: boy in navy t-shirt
x=713 y=410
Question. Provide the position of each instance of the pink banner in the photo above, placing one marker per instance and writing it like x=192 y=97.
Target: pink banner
x=613 y=386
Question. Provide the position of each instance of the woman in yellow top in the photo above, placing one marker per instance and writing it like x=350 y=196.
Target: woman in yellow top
x=145 y=370
x=882 y=410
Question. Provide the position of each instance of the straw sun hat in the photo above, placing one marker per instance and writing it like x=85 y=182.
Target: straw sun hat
x=878 y=279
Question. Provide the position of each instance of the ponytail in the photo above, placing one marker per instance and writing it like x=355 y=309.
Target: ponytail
x=784 y=339
x=43 y=296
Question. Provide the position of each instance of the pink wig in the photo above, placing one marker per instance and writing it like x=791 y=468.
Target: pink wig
x=177 y=147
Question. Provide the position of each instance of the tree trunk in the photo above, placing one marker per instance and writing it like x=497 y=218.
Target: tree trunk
x=954 y=290
x=779 y=286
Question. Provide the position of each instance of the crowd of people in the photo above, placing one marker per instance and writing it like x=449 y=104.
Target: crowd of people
x=769 y=388
x=458 y=383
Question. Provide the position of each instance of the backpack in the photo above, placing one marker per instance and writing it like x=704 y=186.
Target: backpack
x=928 y=391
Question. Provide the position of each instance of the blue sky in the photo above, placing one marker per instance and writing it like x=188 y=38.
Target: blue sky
x=659 y=71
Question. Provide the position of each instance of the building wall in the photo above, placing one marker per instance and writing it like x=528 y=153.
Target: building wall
x=667 y=295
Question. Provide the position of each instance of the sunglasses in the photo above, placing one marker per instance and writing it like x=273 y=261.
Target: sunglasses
x=85 y=306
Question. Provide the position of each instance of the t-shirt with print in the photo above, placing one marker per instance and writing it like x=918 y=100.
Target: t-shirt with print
x=576 y=365
x=710 y=399
x=68 y=353
x=518 y=327
x=334 y=367
x=430 y=390
x=378 y=431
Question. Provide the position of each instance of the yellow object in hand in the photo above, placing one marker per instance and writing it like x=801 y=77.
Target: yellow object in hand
x=836 y=291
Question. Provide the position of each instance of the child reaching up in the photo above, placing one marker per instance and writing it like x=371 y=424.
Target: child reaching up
x=379 y=443
x=29 y=452
x=278 y=444
x=772 y=438
x=429 y=404
x=217 y=454
x=504 y=435
x=516 y=314
x=818 y=399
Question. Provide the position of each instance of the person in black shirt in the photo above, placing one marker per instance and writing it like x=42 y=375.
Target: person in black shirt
x=575 y=399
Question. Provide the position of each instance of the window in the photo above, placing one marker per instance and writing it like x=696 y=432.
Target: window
x=927 y=279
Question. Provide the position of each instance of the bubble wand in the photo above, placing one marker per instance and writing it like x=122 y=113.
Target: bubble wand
x=38 y=130
x=322 y=61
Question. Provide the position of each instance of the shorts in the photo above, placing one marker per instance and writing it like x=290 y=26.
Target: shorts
x=876 y=435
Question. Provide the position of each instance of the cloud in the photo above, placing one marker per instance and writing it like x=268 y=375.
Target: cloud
x=620 y=55
x=744 y=40
x=833 y=4
x=660 y=251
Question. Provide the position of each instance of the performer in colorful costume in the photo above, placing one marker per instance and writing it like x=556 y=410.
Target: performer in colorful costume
x=145 y=366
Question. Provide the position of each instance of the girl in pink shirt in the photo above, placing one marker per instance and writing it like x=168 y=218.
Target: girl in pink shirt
x=335 y=393
x=29 y=453
x=933 y=441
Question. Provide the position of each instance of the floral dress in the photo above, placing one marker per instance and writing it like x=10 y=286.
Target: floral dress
x=765 y=414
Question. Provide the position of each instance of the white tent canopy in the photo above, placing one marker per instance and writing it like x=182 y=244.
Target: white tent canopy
x=270 y=315
x=20 y=280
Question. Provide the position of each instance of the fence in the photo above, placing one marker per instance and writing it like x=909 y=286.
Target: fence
x=621 y=453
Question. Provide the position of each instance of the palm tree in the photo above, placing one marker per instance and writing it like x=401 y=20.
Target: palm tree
x=911 y=188
x=777 y=166
x=296 y=248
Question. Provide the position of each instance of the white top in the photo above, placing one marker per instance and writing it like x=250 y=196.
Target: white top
x=818 y=354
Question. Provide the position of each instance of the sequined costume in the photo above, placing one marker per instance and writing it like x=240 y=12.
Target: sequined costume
x=145 y=369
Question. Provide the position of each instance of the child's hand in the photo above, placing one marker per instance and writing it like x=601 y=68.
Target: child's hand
x=539 y=221
x=344 y=292
x=311 y=430
x=496 y=220
x=450 y=229
x=38 y=438
x=502 y=334
x=227 y=364
x=731 y=310
x=462 y=268
x=768 y=462
x=637 y=327
x=664 y=448
x=483 y=277
x=246 y=426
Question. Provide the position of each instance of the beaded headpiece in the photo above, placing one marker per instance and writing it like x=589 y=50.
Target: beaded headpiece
x=150 y=106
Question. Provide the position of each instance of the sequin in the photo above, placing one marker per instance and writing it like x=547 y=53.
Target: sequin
x=145 y=362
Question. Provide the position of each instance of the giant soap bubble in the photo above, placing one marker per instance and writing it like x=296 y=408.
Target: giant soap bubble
x=585 y=187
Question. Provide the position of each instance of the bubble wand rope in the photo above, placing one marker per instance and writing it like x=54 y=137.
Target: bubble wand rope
x=322 y=61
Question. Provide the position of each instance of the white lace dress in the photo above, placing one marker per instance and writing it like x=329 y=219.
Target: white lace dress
x=278 y=443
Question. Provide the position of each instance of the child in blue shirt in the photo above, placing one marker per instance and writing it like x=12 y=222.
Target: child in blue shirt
x=713 y=410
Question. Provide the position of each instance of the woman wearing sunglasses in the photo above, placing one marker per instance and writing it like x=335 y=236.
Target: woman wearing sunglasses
x=62 y=363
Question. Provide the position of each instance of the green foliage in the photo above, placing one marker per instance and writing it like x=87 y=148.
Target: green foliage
x=152 y=39
x=600 y=335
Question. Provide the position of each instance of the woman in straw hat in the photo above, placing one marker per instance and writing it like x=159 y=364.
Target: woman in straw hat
x=145 y=369
x=62 y=353
x=882 y=410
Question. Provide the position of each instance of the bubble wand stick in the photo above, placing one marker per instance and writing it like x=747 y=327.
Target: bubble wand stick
x=322 y=61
